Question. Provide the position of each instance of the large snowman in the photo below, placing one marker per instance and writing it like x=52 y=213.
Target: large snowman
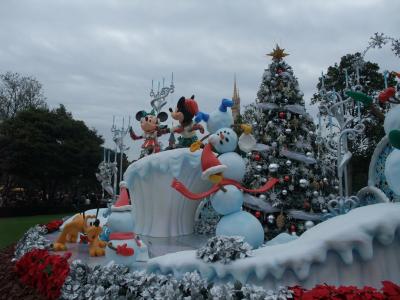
x=229 y=203
x=226 y=172
x=392 y=165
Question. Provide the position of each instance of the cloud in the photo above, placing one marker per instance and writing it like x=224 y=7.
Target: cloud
x=99 y=57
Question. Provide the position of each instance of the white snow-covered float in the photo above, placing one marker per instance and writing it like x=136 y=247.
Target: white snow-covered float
x=158 y=209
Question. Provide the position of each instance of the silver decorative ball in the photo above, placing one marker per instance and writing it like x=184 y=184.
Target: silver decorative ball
x=271 y=219
x=324 y=211
x=258 y=168
x=303 y=183
x=262 y=197
x=87 y=201
x=273 y=167
x=284 y=192
x=255 y=124
x=249 y=154
x=288 y=163
x=311 y=132
x=263 y=180
x=274 y=144
x=315 y=193
x=309 y=224
x=325 y=180
x=336 y=187
x=309 y=154
x=288 y=130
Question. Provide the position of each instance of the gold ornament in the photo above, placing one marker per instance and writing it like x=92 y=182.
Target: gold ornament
x=280 y=221
x=278 y=53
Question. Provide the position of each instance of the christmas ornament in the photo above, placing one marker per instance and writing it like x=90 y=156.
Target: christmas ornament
x=271 y=219
x=259 y=168
x=309 y=224
x=309 y=154
x=274 y=145
x=284 y=192
x=262 y=197
x=288 y=163
x=303 y=183
x=306 y=205
x=257 y=157
x=286 y=178
x=273 y=167
x=257 y=214
x=282 y=115
x=325 y=180
x=315 y=193
x=288 y=130
x=280 y=221
x=292 y=228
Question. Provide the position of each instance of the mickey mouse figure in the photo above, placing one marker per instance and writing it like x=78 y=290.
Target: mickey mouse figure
x=152 y=129
x=185 y=111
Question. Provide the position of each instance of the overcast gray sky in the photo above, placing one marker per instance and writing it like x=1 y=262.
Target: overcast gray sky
x=98 y=57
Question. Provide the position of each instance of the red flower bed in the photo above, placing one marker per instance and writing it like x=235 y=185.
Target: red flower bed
x=43 y=271
x=53 y=225
x=389 y=291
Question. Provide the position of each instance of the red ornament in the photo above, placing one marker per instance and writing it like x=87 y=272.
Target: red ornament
x=306 y=205
x=286 y=178
x=293 y=228
x=257 y=157
x=279 y=71
x=257 y=214
x=282 y=115
x=386 y=94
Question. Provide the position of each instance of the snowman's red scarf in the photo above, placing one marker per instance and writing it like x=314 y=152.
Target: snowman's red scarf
x=181 y=188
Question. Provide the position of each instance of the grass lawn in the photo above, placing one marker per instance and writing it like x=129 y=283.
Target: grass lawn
x=12 y=229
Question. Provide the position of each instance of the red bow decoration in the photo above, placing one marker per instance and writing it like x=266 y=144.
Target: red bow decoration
x=181 y=188
x=124 y=250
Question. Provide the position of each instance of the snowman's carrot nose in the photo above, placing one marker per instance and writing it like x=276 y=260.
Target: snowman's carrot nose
x=221 y=135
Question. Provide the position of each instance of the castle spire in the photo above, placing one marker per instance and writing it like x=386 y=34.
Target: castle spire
x=235 y=99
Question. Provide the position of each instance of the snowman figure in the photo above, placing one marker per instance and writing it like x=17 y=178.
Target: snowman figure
x=392 y=164
x=226 y=173
x=229 y=203
x=124 y=246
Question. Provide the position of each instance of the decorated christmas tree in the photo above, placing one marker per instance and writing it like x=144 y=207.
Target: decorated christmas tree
x=294 y=154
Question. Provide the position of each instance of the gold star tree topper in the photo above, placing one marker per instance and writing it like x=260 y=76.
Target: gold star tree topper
x=278 y=53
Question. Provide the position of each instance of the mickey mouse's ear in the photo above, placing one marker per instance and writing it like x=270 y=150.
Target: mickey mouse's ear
x=140 y=115
x=162 y=116
x=192 y=97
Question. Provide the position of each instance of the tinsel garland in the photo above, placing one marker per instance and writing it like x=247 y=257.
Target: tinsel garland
x=224 y=249
x=32 y=239
x=116 y=282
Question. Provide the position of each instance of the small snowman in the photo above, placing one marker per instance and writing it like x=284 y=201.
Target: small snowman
x=220 y=118
x=124 y=246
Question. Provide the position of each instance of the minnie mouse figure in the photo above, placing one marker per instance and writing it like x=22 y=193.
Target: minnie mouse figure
x=150 y=124
x=185 y=111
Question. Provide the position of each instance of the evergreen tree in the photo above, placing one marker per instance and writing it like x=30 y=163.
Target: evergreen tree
x=371 y=81
x=304 y=169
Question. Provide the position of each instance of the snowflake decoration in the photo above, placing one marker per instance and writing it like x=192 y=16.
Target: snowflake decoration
x=378 y=40
x=396 y=47
x=281 y=180
x=308 y=194
x=293 y=171
x=291 y=187
x=273 y=196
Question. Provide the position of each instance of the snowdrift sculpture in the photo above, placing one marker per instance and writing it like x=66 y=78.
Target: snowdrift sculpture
x=360 y=248
x=159 y=210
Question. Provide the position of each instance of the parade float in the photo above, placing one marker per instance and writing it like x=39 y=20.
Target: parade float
x=144 y=244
